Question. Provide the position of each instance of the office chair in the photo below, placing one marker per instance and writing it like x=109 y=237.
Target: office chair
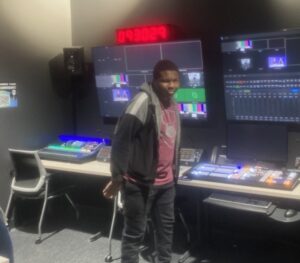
x=31 y=180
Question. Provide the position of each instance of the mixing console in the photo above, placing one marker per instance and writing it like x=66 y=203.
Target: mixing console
x=72 y=149
x=244 y=175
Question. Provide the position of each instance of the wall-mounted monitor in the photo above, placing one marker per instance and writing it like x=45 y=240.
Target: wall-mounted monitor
x=8 y=95
x=120 y=71
x=262 y=76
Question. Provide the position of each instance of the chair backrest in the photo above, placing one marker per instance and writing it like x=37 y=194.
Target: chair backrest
x=29 y=173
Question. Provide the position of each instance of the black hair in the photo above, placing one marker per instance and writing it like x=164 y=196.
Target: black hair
x=163 y=65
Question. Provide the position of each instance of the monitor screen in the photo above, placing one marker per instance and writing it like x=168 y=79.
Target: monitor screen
x=8 y=95
x=257 y=142
x=262 y=76
x=121 y=70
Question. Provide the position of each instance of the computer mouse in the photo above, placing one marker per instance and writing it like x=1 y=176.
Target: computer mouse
x=290 y=213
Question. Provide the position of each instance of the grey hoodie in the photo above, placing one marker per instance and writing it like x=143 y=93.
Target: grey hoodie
x=136 y=140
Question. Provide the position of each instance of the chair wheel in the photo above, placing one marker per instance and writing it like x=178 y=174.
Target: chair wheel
x=38 y=241
x=108 y=258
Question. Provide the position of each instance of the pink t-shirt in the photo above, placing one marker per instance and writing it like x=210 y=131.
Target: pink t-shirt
x=166 y=146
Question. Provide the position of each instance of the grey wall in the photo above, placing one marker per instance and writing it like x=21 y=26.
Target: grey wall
x=32 y=33
x=94 y=23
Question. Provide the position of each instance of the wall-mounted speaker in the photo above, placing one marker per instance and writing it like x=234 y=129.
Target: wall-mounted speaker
x=74 y=60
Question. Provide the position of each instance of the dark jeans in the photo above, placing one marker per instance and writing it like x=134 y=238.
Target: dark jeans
x=139 y=201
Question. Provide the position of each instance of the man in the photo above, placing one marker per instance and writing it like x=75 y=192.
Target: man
x=144 y=162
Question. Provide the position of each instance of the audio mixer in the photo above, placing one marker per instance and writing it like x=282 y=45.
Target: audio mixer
x=251 y=175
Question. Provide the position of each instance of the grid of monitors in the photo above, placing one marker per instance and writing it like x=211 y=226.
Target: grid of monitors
x=120 y=71
x=262 y=76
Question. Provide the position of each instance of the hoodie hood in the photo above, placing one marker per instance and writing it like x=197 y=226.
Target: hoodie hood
x=153 y=100
x=148 y=88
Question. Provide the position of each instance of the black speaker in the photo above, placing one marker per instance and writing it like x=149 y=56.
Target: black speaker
x=74 y=61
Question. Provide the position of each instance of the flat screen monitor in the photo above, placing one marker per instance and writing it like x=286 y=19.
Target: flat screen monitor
x=8 y=95
x=120 y=71
x=262 y=76
x=262 y=142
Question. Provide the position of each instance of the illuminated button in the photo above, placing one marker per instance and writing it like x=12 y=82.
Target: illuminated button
x=287 y=183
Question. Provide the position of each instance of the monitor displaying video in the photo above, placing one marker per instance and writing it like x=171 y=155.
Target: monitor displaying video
x=8 y=95
x=120 y=71
x=262 y=76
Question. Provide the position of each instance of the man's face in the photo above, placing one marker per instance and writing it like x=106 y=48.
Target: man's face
x=167 y=84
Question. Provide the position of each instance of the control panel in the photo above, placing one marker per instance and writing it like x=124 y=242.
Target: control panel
x=190 y=156
x=72 y=149
x=251 y=175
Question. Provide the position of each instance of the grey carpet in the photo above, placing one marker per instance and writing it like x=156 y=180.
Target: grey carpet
x=66 y=240
x=65 y=246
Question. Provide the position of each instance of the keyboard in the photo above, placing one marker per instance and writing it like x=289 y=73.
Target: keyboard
x=241 y=203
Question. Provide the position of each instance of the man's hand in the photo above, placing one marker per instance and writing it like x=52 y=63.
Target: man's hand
x=111 y=189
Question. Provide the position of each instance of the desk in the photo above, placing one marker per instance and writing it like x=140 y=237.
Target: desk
x=89 y=168
x=102 y=169
x=96 y=168
x=260 y=191
x=203 y=231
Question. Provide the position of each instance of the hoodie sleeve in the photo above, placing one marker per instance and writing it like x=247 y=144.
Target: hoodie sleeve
x=127 y=127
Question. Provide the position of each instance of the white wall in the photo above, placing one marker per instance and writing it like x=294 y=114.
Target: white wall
x=31 y=33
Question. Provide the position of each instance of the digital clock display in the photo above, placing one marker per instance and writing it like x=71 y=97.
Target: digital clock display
x=145 y=34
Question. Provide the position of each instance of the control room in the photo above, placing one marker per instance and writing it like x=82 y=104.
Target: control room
x=109 y=112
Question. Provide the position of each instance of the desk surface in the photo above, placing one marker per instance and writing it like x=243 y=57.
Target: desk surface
x=88 y=168
x=102 y=169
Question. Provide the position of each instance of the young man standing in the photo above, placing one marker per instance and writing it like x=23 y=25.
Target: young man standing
x=144 y=163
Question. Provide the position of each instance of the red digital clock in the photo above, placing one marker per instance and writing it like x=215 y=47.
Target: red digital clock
x=145 y=34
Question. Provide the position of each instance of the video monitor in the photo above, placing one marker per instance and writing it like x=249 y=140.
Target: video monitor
x=8 y=95
x=252 y=142
x=262 y=76
x=120 y=71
